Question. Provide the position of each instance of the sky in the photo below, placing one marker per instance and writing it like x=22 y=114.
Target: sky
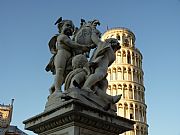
x=26 y=26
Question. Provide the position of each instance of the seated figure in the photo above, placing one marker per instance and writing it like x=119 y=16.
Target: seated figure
x=81 y=72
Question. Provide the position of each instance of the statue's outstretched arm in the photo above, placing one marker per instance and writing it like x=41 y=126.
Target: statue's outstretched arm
x=72 y=44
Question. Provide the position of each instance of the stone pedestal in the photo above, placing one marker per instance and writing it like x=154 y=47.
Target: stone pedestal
x=76 y=118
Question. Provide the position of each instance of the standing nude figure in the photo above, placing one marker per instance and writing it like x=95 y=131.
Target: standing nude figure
x=65 y=47
x=102 y=58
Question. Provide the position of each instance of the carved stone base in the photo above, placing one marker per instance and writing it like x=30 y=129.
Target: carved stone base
x=76 y=118
x=87 y=97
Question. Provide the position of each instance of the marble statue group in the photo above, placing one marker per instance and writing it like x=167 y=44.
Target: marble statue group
x=80 y=62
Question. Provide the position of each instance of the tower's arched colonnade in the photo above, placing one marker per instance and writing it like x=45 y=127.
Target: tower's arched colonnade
x=125 y=77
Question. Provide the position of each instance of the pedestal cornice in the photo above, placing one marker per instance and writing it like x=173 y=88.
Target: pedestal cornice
x=77 y=113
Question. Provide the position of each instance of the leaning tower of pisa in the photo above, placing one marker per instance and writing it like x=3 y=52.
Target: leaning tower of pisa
x=125 y=77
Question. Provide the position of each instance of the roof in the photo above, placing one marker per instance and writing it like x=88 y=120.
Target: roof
x=120 y=28
x=15 y=130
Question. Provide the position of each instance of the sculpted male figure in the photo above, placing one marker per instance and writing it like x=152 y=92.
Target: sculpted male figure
x=65 y=47
x=78 y=76
x=79 y=73
x=102 y=58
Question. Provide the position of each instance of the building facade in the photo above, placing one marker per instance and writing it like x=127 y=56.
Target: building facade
x=5 y=117
x=5 y=120
x=125 y=77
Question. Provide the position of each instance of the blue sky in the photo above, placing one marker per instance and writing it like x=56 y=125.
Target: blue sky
x=26 y=27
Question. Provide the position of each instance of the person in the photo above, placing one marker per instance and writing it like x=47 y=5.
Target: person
x=102 y=58
x=65 y=48
x=77 y=77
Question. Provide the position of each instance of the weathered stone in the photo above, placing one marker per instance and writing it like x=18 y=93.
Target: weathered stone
x=76 y=118
x=84 y=107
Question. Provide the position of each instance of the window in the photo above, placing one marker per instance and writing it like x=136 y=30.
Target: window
x=114 y=86
x=118 y=53
x=131 y=116
x=118 y=37
x=128 y=58
x=126 y=42
x=120 y=86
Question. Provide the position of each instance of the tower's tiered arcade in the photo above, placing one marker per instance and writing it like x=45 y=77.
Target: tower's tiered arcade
x=125 y=77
